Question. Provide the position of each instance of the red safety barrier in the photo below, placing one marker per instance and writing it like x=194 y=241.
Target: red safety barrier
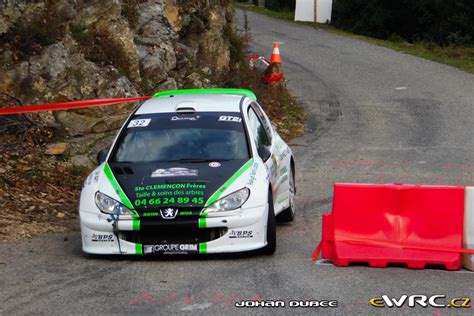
x=382 y=224
x=67 y=105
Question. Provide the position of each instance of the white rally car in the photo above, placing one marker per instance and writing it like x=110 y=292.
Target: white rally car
x=190 y=172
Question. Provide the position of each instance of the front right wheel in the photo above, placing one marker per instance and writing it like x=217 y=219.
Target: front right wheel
x=270 y=248
x=288 y=215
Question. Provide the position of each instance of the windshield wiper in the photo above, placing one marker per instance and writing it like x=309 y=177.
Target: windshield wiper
x=197 y=160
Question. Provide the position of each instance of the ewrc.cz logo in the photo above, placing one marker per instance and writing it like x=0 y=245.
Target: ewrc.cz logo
x=439 y=301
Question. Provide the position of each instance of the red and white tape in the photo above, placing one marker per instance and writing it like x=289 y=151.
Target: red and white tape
x=67 y=105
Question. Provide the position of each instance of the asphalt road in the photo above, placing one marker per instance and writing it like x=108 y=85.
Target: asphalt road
x=374 y=115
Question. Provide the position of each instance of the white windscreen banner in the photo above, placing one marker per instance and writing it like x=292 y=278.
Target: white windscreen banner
x=306 y=10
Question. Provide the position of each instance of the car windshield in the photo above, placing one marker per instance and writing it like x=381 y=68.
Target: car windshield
x=196 y=137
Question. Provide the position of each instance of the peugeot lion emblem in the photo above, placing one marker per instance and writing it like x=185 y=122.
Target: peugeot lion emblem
x=169 y=213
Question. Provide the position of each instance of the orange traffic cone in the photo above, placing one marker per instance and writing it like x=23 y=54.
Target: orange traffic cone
x=276 y=58
x=273 y=73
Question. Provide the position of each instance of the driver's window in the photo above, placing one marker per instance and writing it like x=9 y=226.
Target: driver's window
x=258 y=131
x=266 y=124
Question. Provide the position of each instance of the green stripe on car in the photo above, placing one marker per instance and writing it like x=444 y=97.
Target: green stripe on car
x=138 y=249
x=227 y=184
x=203 y=248
x=118 y=189
x=242 y=92
x=136 y=225
x=202 y=222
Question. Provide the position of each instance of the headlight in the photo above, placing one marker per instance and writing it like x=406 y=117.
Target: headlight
x=230 y=202
x=108 y=205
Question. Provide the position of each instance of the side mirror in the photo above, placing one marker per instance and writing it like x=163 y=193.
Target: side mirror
x=264 y=152
x=101 y=156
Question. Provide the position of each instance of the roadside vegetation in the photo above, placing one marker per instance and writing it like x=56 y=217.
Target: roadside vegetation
x=455 y=47
x=284 y=110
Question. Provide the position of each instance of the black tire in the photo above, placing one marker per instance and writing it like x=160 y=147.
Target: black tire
x=270 y=248
x=288 y=215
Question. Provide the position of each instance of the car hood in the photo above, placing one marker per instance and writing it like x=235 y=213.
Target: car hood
x=151 y=186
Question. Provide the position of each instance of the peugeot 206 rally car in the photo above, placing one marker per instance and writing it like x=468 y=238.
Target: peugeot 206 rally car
x=191 y=171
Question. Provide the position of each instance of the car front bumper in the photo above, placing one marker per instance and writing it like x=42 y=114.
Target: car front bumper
x=237 y=231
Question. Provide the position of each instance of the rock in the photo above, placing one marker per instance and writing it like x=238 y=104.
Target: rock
x=206 y=70
x=108 y=49
x=157 y=61
x=81 y=161
x=56 y=149
x=93 y=142
x=123 y=52
x=173 y=16
x=194 y=80
x=168 y=84
x=60 y=215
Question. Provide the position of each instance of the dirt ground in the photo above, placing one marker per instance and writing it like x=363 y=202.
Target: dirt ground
x=39 y=193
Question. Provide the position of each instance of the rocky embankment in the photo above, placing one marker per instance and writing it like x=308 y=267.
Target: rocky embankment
x=65 y=50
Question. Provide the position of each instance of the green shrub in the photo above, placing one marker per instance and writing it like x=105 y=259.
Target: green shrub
x=444 y=22
x=280 y=5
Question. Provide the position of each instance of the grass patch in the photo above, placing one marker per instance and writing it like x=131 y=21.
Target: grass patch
x=456 y=56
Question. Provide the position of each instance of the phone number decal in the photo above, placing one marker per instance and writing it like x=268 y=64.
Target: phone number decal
x=169 y=201
x=169 y=194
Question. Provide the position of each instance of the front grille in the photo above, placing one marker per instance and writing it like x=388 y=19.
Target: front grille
x=183 y=212
x=173 y=235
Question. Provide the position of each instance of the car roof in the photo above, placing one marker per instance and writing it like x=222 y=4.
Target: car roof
x=201 y=100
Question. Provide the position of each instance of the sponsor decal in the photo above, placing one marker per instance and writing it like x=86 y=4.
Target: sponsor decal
x=437 y=301
x=284 y=179
x=292 y=304
x=230 y=119
x=279 y=144
x=214 y=164
x=96 y=177
x=169 y=194
x=148 y=214
x=174 y=172
x=241 y=234
x=272 y=168
x=185 y=118
x=139 y=123
x=102 y=238
x=285 y=153
x=171 y=249
x=169 y=213
x=93 y=177
x=253 y=174
x=283 y=199
x=88 y=180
